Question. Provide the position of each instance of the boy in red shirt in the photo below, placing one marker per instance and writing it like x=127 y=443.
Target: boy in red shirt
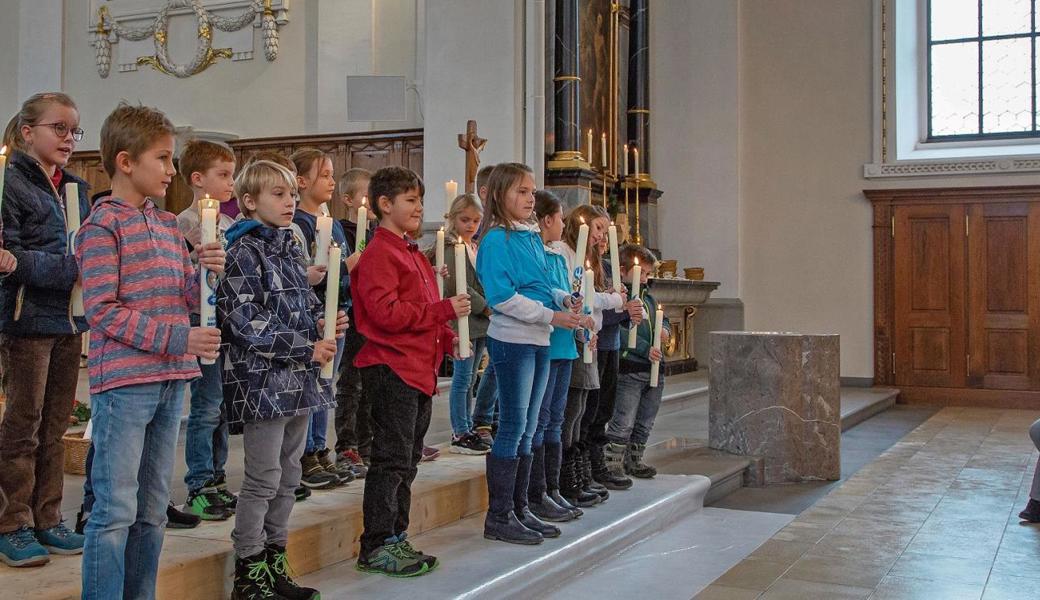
x=405 y=326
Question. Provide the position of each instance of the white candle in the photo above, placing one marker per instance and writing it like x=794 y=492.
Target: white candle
x=208 y=209
x=460 y=288
x=635 y=153
x=438 y=252
x=580 y=247
x=625 y=162
x=322 y=241
x=451 y=189
x=603 y=150
x=72 y=223
x=655 y=366
x=362 y=226
x=588 y=290
x=3 y=169
x=637 y=274
x=615 y=265
x=333 y=259
x=588 y=144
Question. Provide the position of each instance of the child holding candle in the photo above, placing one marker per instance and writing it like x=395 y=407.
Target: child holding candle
x=577 y=480
x=353 y=413
x=314 y=175
x=273 y=351
x=543 y=492
x=209 y=170
x=637 y=400
x=463 y=220
x=406 y=334
x=40 y=340
x=139 y=288
x=526 y=303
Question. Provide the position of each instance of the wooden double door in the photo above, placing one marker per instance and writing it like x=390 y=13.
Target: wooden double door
x=966 y=295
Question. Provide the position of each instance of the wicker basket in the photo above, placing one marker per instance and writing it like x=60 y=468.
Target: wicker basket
x=76 y=453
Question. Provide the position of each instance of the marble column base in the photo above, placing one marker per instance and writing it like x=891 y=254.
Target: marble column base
x=776 y=396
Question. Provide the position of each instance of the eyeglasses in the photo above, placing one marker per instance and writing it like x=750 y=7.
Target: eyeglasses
x=62 y=130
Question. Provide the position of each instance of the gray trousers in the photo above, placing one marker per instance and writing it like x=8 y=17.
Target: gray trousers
x=1034 y=432
x=272 y=472
x=635 y=408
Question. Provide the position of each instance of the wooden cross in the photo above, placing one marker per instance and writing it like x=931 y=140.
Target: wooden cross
x=473 y=145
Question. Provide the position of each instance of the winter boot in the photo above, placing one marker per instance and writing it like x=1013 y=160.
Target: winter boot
x=538 y=500
x=520 y=507
x=501 y=522
x=585 y=474
x=634 y=464
x=571 y=485
x=615 y=459
x=553 y=458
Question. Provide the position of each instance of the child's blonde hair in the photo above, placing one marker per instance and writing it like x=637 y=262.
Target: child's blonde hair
x=198 y=156
x=30 y=114
x=259 y=175
x=503 y=177
x=274 y=156
x=460 y=204
x=131 y=129
x=304 y=159
x=350 y=183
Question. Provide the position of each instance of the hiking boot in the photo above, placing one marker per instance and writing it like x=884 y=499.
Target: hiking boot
x=60 y=540
x=634 y=464
x=468 y=443
x=343 y=473
x=484 y=433
x=1032 y=512
x=19 y=548
x=394 y=560
x=302 y=492
x=281 y=576
x=314 y=474
x=615 y=468
x=206 y=504
x=178 y=519
x=352 y=460
x=230 y=500
x=254 y=579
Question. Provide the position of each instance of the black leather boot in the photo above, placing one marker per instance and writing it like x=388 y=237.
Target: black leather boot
x=538 y=500
x=571 y=485
x=501 y=522
x=520 y=506
x=1032 y=512
x=585 y=474
x=553 y=458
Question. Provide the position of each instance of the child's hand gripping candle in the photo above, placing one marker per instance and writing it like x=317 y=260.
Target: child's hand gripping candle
x=331 y=302
x=322 y=241
x=580 y=247
x=460 y=289
x=3 y=169
x=615 y=265
x=208 y=214
x=588 y=290
x=362 y=225
x=637 y=274
x=72 y=222
x=655 y=365
x=439 y=259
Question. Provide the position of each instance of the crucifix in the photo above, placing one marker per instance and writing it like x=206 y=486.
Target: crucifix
x=473 y=145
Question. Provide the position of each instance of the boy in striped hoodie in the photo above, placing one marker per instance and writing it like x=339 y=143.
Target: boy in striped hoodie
x=139 y=287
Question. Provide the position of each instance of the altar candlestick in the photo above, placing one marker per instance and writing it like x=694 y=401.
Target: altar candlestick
x=588 y=290
x=461 y=257
x=72 y=223
x=451 y=189
x=637 y=274
x=439 y=256
x=208 y=210
x=333 y=259
x=615 y=264
x=322 y=241
x=362 y=226
x=655 y=366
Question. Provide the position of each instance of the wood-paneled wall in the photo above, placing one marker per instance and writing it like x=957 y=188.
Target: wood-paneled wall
x=369 y=150
x=957 y=294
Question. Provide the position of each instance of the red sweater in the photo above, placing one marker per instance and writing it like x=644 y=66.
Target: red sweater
x=396 y=309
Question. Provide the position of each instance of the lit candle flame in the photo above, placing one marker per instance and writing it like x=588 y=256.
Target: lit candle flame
x=363 y=200
x=3 y=150
x=637 y=260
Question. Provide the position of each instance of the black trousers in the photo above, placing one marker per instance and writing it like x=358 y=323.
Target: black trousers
x=400 y=418
x=599 y=407
x=353 y=410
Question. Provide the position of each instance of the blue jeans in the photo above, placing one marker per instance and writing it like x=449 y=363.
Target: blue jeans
x=319 y=427
x=485 y=410
x=206 y=437
x=554 y=403
x=463 y=374
x=635 y=408
x=522 y=371
x=135 y=443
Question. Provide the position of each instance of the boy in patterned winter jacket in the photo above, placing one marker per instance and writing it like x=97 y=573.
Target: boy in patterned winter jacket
x=272 y=354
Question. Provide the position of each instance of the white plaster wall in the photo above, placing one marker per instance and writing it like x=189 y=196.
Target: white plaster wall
x=695 y=135
x=474 y=58
x=10 y=35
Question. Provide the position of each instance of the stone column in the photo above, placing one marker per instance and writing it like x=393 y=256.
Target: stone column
x=567 y=88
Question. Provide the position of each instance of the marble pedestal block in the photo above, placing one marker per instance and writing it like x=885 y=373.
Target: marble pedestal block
x=776 y=396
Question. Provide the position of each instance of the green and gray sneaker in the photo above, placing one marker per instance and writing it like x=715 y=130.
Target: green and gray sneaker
x=229 y=499
x=395 y=560
x=431 y=561
x=206 y=504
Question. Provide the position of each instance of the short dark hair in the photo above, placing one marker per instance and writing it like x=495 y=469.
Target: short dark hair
x=392 y=182
x=483 y=175
x=629 y=252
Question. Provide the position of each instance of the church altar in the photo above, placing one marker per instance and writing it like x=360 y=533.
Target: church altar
x=680 y=298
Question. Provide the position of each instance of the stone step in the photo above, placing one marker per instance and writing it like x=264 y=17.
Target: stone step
x=472 y=567
x=859 y=404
